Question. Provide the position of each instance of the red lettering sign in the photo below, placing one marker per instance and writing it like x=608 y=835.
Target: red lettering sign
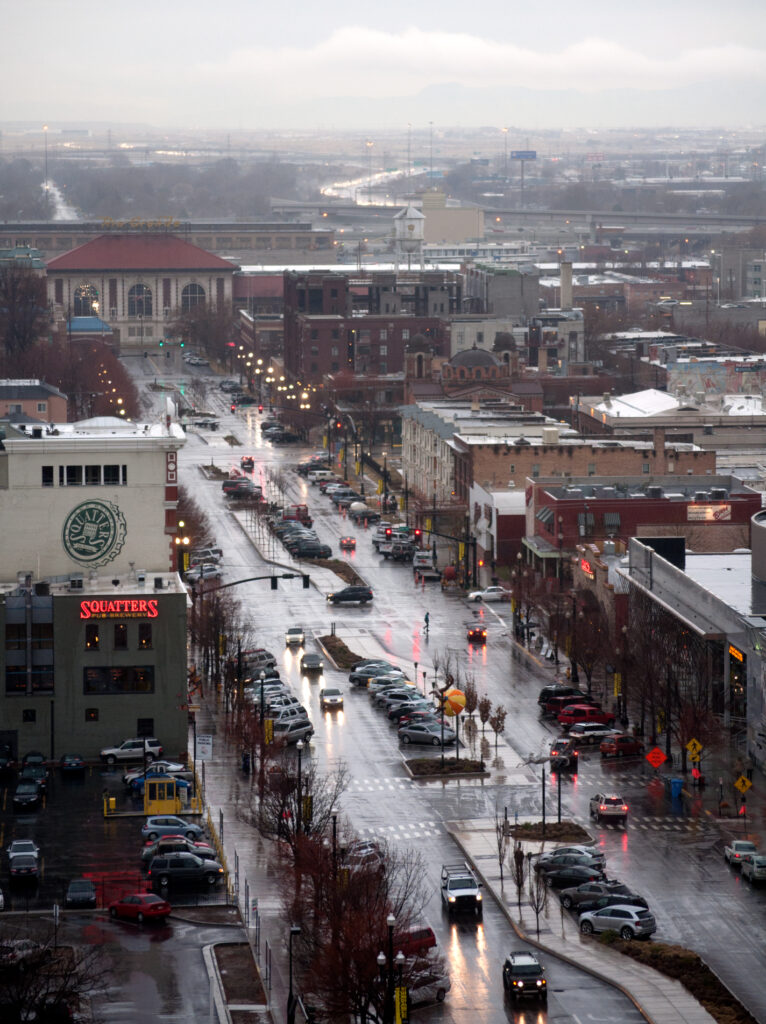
x=120 y=608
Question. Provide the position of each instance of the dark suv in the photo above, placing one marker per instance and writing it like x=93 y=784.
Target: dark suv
x=185 y=869
x=524 y=976
x=351 y=595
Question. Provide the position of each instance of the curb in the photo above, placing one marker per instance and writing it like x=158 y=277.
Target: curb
x=216 y=985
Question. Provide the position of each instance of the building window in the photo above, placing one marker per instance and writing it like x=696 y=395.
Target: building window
x=535 y=469
x=405 y=334
x=116 y=680
x=74 y=476
x=58 y=290
x=383 y=367
x=314 y=367
x=91 y=714
x=42 y=407
x=192 y=295
x=92 y=475
x=383 y=351
x=384 y=335
x=15 y=679
x=112 y=476
x=47 y=476
x=144 y=635
x=42 y=636
x=314 y=334
x=315 y=350
x=645 y=467
x=29 y=715
x=120 y=636
x=334 y=350
x=479 y=336
x=91 y=637
x=612 y=522
x=85 y=301
x=140 y=301
x=591 y=469
x=334 y=367
x=586 y=523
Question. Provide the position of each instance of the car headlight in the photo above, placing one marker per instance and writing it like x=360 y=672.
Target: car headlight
x=451 y=899
x=518 y=984
x=478 y=897
x=540 y=982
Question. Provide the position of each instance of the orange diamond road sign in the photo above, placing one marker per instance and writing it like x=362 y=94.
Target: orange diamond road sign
x=743 y=784
x=656 y=757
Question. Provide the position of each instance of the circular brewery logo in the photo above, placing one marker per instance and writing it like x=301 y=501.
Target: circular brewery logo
x=94 y=532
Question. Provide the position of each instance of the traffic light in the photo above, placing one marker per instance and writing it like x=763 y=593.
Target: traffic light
x=481 y=563
x=306 y=582
x=182 y=343
x=389 y=531
x=339 y=425
x=233 y=407
x=418 y=533
x=273 y=582
x=260 y=408
x=162 y=342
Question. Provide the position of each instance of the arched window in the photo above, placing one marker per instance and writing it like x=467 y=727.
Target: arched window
x=419 y=366
x=85 y=301
x=140 y=300
x=192 y=295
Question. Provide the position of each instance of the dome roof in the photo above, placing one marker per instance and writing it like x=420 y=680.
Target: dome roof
x=474 y=357
x=419 y=343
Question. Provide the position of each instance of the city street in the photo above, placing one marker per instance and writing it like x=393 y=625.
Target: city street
x=702 y=904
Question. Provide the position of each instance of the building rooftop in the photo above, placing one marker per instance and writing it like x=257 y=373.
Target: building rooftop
x=114 y=587
x=98 y=428
x=726 y=576
x=161 y=251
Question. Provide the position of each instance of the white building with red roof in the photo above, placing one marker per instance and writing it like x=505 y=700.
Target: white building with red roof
x=139 y=283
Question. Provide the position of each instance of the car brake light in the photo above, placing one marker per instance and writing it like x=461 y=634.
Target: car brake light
x=624 y=807
x=602 y=807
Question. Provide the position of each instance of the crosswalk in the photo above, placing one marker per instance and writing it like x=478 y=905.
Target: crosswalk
x=377 y=785
x=661 y=823
x=408 y=830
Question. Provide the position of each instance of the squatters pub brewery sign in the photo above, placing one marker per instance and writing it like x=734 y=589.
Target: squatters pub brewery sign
x=124 y=608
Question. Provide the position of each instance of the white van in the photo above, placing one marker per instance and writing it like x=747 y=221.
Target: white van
x=423 y=560
x=315 y=475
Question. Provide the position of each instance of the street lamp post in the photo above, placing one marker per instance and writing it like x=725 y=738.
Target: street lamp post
x=334 y=814
x=299 y=747
x=388 y=1009
x=574 y=674
x=385 y=481
x=291 y=1000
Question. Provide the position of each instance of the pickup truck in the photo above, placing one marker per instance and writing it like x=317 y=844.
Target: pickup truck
x=577 y=713
x=460 y=889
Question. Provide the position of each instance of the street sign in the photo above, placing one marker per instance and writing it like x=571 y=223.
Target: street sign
x=656 y=757
x=694 y=758
x=523 y=154
x=743 y=784
x=204 y=746
x=694 y=747
x=696 y=773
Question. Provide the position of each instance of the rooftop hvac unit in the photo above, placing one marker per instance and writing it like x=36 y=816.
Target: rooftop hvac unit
x=158 y=583
x=654 y=491
x=719 y=493
x=700 y=496
x=141 y=578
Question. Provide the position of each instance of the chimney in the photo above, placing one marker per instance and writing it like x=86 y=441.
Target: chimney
x=566 y=286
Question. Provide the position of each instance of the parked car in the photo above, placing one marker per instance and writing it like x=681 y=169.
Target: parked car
x=558 y=690
x=753 y=867
x=601 y=902
x=331 y=699
x=578 y=897
x=553 y=861
x=524 y=976
x=415 y=942
x=27 y=795
x=295 y=635
x=628 y=922
x=203 y=572
x=81 y=892
x=166 y=767
x=311 y=664
x=354 y=594
x=425 y=732
x=71 y=764
x=575 y=714
x=554 y=705
x=621 y=746
x=309 y=549
x=138 y=785
x=291 y=732
x=206 y=555
x=183 y=869
x=23 y=848
x=577 y=851
x=33 y=757
x=254 y=661
x=735 y=850
x=141 y=906
x=429 y=985
x=24 y=868
x=169 y=825
x=38 y=772
x=176 y=844
x=361 y=675
x=146 y=748
x=589 y=733
x=490 y=594
x=608 y=807
x=571 y=875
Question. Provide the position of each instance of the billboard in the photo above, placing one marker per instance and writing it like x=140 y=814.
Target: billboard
x=523 y=154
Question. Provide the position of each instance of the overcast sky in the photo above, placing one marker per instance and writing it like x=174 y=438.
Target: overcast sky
x=258 y=63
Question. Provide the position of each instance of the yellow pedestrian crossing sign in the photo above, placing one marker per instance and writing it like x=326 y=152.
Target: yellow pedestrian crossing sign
x=694 y=747
x=743 y=784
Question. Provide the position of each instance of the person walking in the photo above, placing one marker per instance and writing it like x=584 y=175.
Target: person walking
x=426 y=623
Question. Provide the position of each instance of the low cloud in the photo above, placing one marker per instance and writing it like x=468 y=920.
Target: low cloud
x=362 y=62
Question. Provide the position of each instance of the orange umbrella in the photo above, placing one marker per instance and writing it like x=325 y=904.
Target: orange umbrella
x=453 y=702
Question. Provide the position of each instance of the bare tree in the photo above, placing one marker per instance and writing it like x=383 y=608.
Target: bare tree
x=471 y=697
x=23 y=308
x=497 y=722
x=501 y=840
x=538 y=895
x=289 y=811
x=485 y=710
x=519 y=872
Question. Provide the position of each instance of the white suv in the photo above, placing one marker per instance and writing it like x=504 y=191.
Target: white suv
x=133 y=750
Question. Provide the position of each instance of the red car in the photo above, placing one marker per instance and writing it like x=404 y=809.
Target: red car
x=477 y=634
x=348 y=543
x=621 y=746
x=141 y=906
x=577 y=713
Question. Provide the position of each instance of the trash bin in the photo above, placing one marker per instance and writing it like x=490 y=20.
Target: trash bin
x=676 y=785
x=112 y=804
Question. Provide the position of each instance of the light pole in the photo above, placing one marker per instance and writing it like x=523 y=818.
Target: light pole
x=574 y=675
x=299 y=748
x=400 y=959
x=334 y=815
x=291 y=1000
x=385 y=480
x=388 y=965
x=369 y=144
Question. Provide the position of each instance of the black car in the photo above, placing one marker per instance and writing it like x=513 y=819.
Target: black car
x=6 y=759
x=590 y=891
x=558 y=690
x=32 y=757
x=71 y=764
x=38 y=772
x=308 y=550
x=572 y=874
x=80 y=893
x=27 y=795
x=524 y=976
x=351 y=595
x=631 y=900
x=310 y=664
x=23 y=868
x=185 y=869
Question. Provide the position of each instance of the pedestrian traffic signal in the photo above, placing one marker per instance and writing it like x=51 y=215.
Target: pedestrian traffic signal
x=389 y=531
x=233 y=407
x=162 y=342
x=418 y=534
x=260 y=408
x=273 y=582
x=306 y=580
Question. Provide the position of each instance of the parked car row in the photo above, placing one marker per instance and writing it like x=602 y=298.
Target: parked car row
x=600 y=904
x=32 y=775
x=414 y=713
x=290 y=718
x=293 y=528
x=743 y=854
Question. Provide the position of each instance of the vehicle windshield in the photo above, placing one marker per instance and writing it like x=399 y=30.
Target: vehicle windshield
x=527 y=969
x=461 y=883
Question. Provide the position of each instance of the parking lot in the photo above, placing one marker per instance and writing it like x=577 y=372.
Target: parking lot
x=75 y=839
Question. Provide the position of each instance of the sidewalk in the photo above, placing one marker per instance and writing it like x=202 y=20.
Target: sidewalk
x=661 y=1000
